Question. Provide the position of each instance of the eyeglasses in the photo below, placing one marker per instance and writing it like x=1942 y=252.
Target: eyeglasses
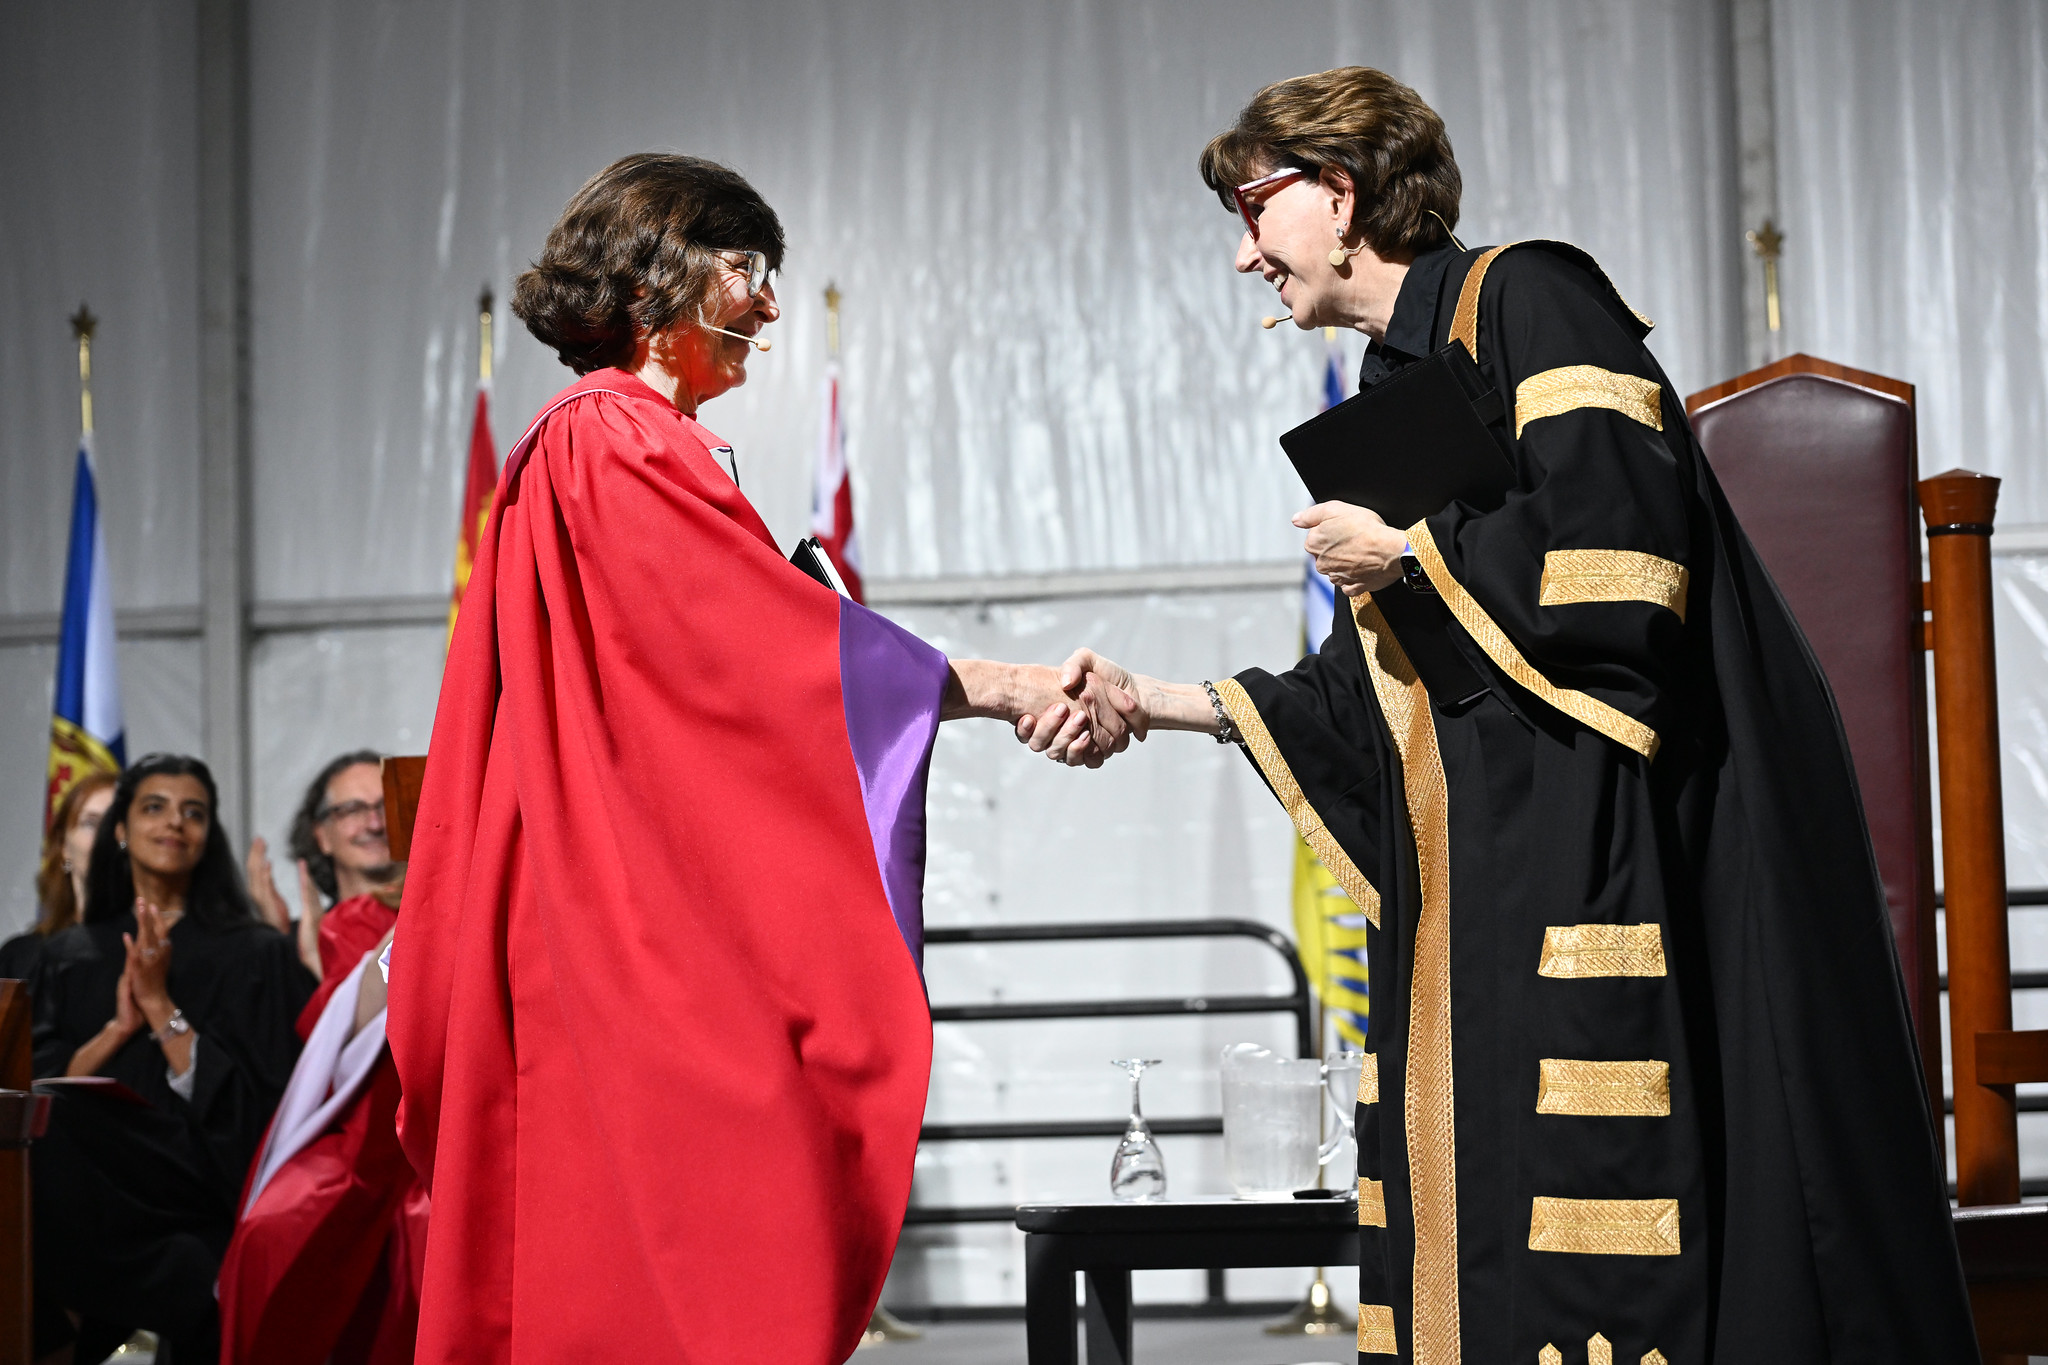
x=753 y=264
x=1249 y=211
x=350 y=810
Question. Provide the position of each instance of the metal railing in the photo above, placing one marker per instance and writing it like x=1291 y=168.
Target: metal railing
x=1295 y=1002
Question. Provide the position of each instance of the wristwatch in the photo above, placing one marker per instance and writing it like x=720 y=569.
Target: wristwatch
x=1412 y=573
x=173 y=1027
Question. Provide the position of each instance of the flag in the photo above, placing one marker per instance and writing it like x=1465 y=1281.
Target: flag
x=832 y=493
x=478 y=489
x=1329 y=929
x=87 y=734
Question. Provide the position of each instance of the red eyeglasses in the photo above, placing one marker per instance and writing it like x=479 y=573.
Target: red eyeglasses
x=1249 y=211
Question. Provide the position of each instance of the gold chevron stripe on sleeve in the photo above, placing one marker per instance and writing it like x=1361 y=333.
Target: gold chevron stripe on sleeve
x=1578 y=951
x=1591 y=712
x=1653 y=1356
x=1372 y=1203
x=1549 y=1355
x=1369 y=1078
x=1568 y=388
x=1604 y=1089
x=1599 y=1350
x=1604 y=1227
x=1376 y=1330
x=1574 y=576
x=1259 y=741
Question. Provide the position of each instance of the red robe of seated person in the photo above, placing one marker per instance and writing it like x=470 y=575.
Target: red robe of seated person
x=327 y=1258
x=655 y=998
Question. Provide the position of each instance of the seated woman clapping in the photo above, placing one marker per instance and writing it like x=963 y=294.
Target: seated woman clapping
x=170 y=1008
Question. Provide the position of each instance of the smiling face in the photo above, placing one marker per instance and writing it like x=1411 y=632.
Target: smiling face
x=86 y=828
x=352 y=828
x=1299 y=222
x=706 y=363
x=167 y=825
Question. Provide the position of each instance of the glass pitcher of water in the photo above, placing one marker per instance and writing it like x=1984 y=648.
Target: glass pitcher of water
x=1272 y=1122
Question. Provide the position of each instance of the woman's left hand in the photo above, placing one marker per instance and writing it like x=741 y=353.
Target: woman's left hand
x=1353 y=548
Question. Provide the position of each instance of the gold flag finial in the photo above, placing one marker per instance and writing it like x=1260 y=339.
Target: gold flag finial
x=1769 y=244
x=483 y=336
x=83 y=323
x=832 y=297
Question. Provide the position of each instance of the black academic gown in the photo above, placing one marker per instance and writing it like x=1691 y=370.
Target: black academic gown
x=134 y=1204
x=1641 y=1083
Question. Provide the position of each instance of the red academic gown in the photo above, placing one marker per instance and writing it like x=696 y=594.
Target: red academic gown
x=655 y=996
x=326 y=1264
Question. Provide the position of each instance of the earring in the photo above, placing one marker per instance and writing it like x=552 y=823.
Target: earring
x=67 y=865
x=123 y=843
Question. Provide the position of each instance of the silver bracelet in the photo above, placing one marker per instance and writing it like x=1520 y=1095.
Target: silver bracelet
x=1226 y=728
x=173 y=1027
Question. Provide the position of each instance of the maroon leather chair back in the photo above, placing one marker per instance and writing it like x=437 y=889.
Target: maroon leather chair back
x=1819 y=462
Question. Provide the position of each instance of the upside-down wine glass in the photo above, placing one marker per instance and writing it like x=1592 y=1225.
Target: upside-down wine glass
x=1138 y=1172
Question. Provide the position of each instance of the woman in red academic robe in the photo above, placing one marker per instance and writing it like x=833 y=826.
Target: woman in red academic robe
x=330 y=1247
x=656 y=999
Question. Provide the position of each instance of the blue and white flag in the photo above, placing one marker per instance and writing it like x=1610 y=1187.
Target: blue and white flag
x=87 y=733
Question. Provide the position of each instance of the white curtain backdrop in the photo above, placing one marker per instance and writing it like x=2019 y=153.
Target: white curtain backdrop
x=1048 y=365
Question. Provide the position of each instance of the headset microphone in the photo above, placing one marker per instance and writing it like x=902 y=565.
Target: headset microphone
x=754 y=342
x=1270 y=323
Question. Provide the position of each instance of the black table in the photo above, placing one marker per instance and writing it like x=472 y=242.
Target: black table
x=1106 y=1241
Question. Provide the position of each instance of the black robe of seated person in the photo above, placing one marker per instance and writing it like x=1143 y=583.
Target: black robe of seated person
x=1641 y=1085
x=134 y=1204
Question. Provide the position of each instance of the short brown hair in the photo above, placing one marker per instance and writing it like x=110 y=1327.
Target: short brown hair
x=1362 y=122
x=632 y=254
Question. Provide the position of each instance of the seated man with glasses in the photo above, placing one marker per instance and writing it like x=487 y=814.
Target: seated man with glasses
x=343 y=856
x=332 y=1226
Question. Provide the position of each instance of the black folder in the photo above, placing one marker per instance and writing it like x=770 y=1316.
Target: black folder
x=809 y=555
x=1408 y=447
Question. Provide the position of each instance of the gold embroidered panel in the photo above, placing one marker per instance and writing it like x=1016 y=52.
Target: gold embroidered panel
x=1574 y=576
x=1578 y=951
x=1604 y=1089
x=1369 y=1078
x=1604 y=1227
x=1568 y=388
x=1429 y=1102
x=1589 y=711
x=1549 y=1355
x=1258 y=740
x=1376 y=1330
x=1653 y=1356
x=1599 y=1350
x=1372 y=1203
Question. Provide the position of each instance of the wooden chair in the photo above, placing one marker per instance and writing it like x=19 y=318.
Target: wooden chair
x=1819 y=462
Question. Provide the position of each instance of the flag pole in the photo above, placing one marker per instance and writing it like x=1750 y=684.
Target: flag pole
x=83 y=324
x=832 y=297
x=483 y=336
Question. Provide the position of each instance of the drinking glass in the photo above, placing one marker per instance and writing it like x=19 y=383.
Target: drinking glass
x=1137 y=1174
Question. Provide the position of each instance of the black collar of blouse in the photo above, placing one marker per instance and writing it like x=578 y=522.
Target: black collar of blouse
x=1414 y=318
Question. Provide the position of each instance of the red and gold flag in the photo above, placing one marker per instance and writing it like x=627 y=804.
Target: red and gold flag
x=480 y=486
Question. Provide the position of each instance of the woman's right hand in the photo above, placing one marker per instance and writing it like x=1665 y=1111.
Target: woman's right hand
x=127 y=1020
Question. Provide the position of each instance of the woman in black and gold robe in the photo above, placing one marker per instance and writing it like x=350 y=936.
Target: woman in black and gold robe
x=1640 y=1083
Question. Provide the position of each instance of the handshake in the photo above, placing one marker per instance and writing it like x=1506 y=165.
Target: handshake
x=1079 y=713
x=1095 y=709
